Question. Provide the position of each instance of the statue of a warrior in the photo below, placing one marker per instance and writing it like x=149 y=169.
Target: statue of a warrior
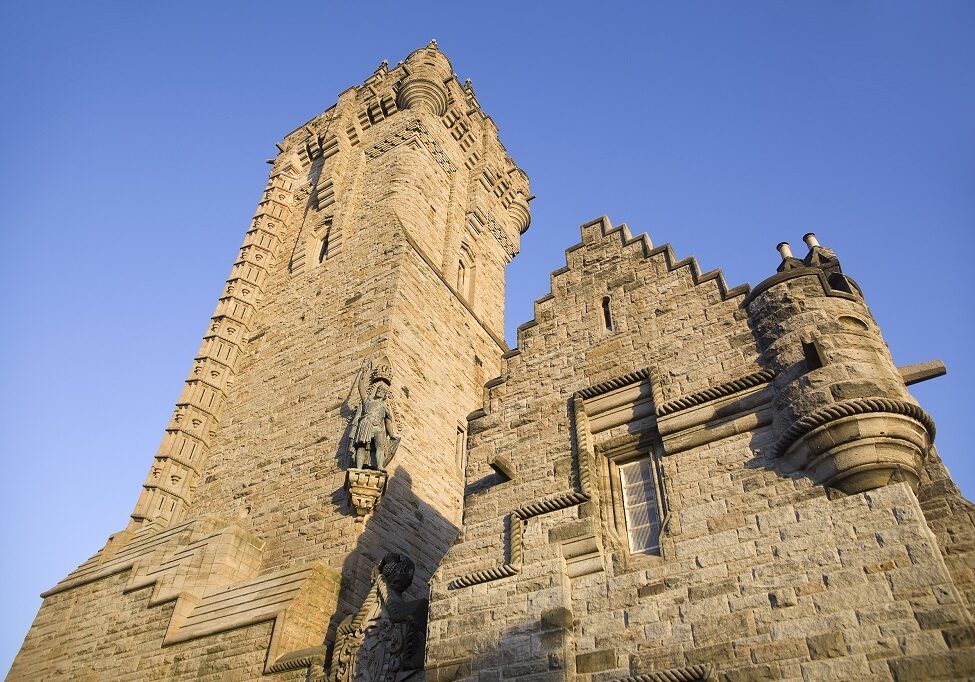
x=375 y=435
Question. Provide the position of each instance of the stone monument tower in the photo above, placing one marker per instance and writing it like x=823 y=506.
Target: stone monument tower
x=668 y=480
x=321 y=430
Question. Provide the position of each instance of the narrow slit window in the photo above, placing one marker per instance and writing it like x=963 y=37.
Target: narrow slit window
x=466 y=269
x=461 y=450
x=323 y=250
x=607 y=315
x=814 y=355
x=326 y=241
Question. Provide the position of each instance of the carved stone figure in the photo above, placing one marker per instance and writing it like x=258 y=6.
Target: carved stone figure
x=375 y=435
x=384 y=640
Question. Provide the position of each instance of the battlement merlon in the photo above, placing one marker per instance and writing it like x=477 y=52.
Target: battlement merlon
x=425 y=87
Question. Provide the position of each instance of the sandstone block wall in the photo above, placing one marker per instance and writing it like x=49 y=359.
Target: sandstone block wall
x=762 y=572
x=383 y=232
x=807 y=528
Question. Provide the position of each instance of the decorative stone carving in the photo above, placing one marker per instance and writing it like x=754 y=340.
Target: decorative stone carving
x=413 y=130
x=384 y=640
x=861 y=444
x=366 y=487
x=374 y=437
x=422 y=93
x=520 y=213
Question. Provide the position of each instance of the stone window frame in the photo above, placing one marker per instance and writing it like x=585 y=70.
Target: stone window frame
x=466 y=271
x=610 y=455
x=461 y=451
x=322 y=242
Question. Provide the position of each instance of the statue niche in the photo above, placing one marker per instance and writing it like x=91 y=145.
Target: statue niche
x=384 y=640
x=373 y=438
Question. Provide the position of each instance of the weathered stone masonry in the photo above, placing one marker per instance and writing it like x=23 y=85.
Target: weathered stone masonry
x=667 y=479
x=760 y=409
x=244 y=524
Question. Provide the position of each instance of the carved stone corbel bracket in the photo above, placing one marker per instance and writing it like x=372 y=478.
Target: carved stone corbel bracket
x=366 y=487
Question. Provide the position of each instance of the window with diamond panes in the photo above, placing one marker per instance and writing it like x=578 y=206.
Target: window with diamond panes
x=639 y=494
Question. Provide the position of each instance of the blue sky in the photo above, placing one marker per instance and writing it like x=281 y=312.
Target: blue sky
x=135 y=136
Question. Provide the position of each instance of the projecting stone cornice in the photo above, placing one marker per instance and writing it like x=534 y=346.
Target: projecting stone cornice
x=411 y=130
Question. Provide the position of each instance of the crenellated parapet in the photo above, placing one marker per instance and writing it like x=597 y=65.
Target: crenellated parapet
x=403 y=119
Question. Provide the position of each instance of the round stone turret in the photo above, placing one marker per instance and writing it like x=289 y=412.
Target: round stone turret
x=424 y=87
x=520 y=213
x=841 y=410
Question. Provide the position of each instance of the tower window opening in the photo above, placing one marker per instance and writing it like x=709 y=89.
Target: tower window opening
x=640 y=507
x=461 y=450
x=813 y=354
x=466 y=271
x=839 y=282
x=607 y=315
x=323 y=249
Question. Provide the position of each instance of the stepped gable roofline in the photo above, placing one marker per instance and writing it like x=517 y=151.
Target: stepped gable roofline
x=643 y=240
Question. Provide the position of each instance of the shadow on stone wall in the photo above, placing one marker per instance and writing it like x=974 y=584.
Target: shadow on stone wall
x=402 y=523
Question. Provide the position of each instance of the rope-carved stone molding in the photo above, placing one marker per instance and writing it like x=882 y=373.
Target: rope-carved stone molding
x=848 y=408
x=720 y=391
x=515 y=522
x=505 y=570
x=682 y=403
x=613 y=384
x=693 y=673
x=517 y=518
x=299 y=660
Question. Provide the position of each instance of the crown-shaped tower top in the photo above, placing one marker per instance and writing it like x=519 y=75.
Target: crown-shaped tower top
x=426 y=85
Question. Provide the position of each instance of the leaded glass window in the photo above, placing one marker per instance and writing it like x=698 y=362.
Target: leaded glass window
x=640 y=506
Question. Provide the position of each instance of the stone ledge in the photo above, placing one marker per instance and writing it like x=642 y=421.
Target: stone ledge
x=209 y=569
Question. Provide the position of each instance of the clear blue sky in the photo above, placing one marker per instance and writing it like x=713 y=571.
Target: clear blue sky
x=135 y=134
